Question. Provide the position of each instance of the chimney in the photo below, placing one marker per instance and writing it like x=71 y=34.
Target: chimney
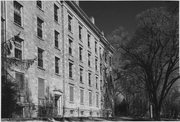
x=77 y=2
x=92 y=20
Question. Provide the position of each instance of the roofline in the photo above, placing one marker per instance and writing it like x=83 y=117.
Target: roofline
x=87 y=20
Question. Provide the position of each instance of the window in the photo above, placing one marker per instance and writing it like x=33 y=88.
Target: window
x=71 y=95
x=56 y=35
x=18 y=48
x=81 y=96
x=96 y=64
x=18 y=53
x=80 y=53
x=20 y=80
x=110 y=61
x=81 y=75
x=17 y=13
x=70 y=70
x=69 y=23
x=57 y=65
x=89 y=40
x=90 y=98
x=56 y=13
x=97 y=100
x=39 y=4
x=89 y=77
x=39 y=28
x=82 y=112
x=101 y=68
x=96 y=82
x=40 y=57
x=80 y=32
x=96 y=47
x=100 y=53
x=70 y=47
x=41 y=88
x=89 y=59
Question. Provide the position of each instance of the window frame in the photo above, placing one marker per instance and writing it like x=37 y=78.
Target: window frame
x=89 y=59
x=40 y=27
x=70 y=23
x=82 y=96
x=18 y=10
x=70 y=70
x=56 y=39
x=71 y=94
x=80 y=53
x=40 y=57
x=81 y=75
x=56 y=9
x=70 y=46
x=57 y=65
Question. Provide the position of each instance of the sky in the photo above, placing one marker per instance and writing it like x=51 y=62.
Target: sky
x=109 y=15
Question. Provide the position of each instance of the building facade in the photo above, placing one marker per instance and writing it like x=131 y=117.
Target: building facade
x=68 y=49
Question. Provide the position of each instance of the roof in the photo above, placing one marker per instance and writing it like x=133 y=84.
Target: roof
x=92 y=26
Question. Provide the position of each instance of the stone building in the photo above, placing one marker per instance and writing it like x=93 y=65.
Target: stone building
x=69 y=51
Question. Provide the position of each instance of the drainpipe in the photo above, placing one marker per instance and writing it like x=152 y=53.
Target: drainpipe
x=63 y=56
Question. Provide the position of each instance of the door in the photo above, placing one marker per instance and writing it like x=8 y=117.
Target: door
x=58 y=104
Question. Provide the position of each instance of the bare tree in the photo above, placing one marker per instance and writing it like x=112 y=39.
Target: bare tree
x=154 y=51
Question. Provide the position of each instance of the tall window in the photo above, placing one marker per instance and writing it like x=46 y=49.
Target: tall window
x=95 y=46
x=80 y=32
x=89 y=59
x=70 y=47
x=56 y=35
x=71 y=93
x=40 y=57
x=17 y=13
x=100 y=53
x=70 y=70
x=39 y=27
x=96 y=64
x=90 y=98
x=39 y=4
x=101 y=68
x=89 y=40
x=81 y=96
x=41 y=88
x=18 y=49
x=56 y=13
x=110 y=61
x=57 y=65
x=97 y=100
x=89 y=77
x=80 y=53
x=69 y=23
x=96 y=82
x=81 y=75
x=20 y=80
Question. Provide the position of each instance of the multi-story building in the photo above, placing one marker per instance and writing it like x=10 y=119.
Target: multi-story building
x=69 y=49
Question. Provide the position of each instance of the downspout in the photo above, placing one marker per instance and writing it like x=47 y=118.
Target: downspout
x=63 y=56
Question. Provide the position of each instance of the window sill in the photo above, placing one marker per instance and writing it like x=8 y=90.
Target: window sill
x=70 y=32
x=80 y=61
x=57 y=74
x=71 y=102
x=41 y=68
x=56 y=22
x=20 y=26
x=40 y=9
x=40 y=38
x=57 y=48
x=71 y=78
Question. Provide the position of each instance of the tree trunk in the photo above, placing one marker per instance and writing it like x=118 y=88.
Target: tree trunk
x=156 y=112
